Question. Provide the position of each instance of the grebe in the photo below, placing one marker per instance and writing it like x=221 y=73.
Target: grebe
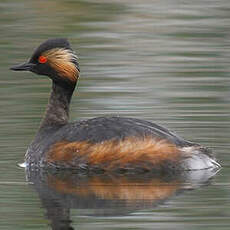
x=106 y=144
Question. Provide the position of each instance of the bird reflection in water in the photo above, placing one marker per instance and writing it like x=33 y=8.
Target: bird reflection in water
x=110 y=194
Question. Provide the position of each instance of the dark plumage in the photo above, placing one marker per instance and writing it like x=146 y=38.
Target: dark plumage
x=104 y=143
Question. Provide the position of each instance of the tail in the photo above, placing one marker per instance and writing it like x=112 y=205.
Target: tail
x=198 y=158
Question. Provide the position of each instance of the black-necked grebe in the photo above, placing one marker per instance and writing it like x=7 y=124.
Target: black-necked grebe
x=104 y=143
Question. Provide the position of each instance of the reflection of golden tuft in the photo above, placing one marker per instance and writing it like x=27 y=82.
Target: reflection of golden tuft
x=121 y=188
x=112 y=154
x=61 y=60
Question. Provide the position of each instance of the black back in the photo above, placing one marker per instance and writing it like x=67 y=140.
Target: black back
x=106 y=128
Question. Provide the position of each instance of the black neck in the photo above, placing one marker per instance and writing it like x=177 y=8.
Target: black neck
x=57 y=110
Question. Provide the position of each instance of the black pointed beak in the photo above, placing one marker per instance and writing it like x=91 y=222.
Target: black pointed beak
x=23 y=67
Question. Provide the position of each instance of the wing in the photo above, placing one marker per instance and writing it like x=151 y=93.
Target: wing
x=105 y=128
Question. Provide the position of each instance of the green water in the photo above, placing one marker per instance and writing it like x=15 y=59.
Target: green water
x=164 y=61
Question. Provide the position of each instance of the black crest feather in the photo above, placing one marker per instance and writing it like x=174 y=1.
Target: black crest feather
x=50 y=44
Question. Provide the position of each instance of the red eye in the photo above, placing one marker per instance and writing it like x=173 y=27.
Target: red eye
x=42 y=59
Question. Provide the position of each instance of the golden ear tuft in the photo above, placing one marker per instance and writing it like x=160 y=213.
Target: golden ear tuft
x=61 y=60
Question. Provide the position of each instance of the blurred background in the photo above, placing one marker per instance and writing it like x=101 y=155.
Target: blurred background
x=164 y=61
